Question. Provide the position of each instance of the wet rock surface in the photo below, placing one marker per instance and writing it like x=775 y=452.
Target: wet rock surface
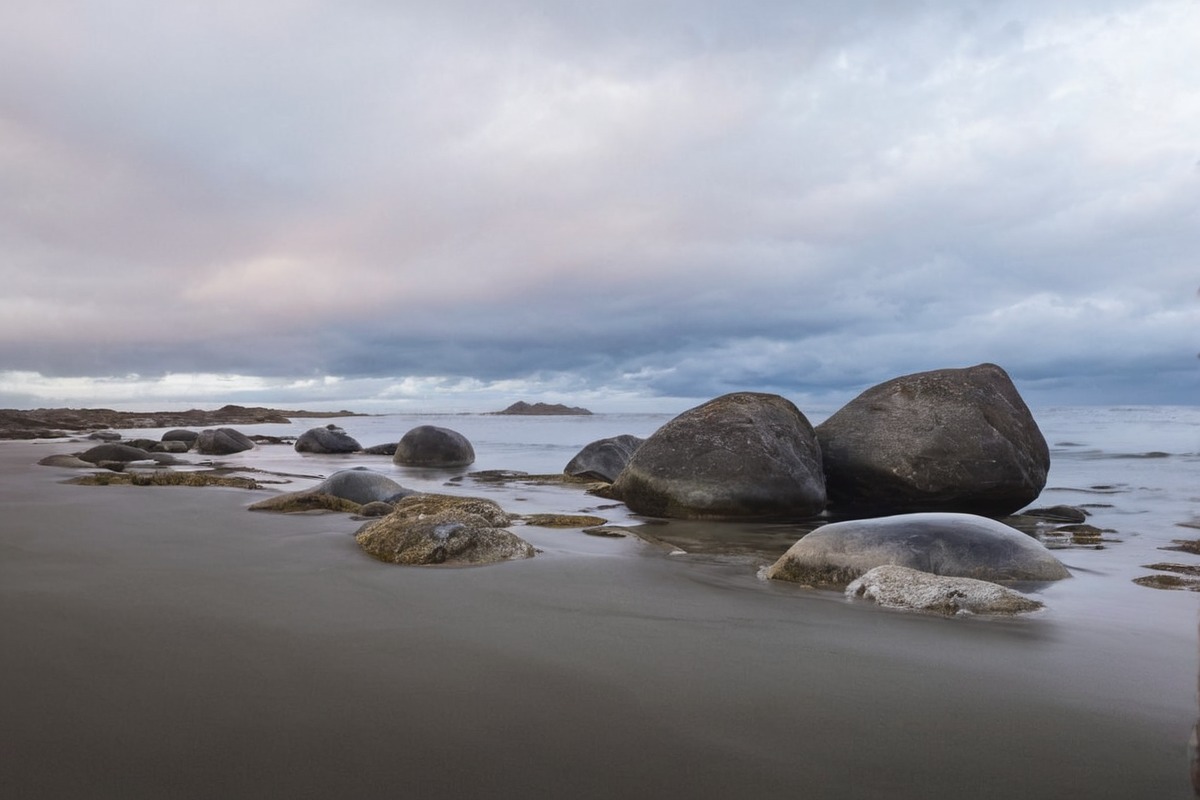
x=900 y=587
x=433 y=446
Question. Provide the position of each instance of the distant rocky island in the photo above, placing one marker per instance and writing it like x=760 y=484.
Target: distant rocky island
x=542 y=409
x=49 y=423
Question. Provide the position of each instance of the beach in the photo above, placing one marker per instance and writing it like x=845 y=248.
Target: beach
x=166 y=642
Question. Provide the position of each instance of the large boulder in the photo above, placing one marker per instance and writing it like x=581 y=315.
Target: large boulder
x=361 y=485
x=947 y=440
x=114 y=452
x=329 y=439
x=960 y=545
x=740 y=456
x=604 y=458
x=181 y=435
x=431 y=446
x=222 y=442
x=900 y=587
x=438 y=529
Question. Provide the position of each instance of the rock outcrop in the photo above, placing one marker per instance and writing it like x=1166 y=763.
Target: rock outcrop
x=740 y=456
x=947 y=440
x=431 y=446
x=543 y=409
x=958 y=545
x=604 y=459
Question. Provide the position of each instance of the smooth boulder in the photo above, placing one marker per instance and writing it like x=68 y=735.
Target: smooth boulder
x=604 y=458
x=431 y=446
x=744 y=455
x=222 y=442
x=900 y=587
x=122 y=453
x=329 y=439
x=363 y=486
x=947 y=440
x=959 y=545
x=181 y=435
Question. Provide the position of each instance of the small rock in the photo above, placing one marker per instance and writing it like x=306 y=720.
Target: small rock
x=900 y=587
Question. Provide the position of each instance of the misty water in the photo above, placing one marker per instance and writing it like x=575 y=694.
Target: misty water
x=167 y=642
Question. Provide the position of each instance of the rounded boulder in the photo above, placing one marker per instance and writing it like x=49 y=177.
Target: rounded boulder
x=958 y=545
x=948 y=440
x=329 y=439
x=740 y=456
x=222 y=442
x=431 y=446
x=604 y=458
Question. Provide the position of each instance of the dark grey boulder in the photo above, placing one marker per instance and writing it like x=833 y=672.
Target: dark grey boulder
x=329 y=439
x=947 y=440
x=431 y=446
x=604 y=458
x=105 y=436
x=114 y=452
x=958 y=545
x=361 y=485
x=740 y=456
x=181 y=435
x=385 y=449
x=222 y=442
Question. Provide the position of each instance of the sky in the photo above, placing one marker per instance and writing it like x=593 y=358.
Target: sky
x=390 y=206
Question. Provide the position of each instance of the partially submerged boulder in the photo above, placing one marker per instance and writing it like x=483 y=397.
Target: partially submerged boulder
x=431 y=446
x=900 y=587
x=344 y=490
x=65 y=460
x=111 y=451
x=740 y=456
x=960 y=545
x=329 y=439
x=181 y=435
x=453 y=534
x=604 y=459
x=946 y=440
x=222 y=442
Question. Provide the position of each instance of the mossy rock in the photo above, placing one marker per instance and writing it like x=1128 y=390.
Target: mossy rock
x=164 y=478
x=425 y=504
x=1169 y=582
x=296 y=502
x=562 y=520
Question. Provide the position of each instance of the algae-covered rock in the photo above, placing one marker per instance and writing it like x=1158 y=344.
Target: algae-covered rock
x=446 y=537
x=562 y=520
x=900 y=587
x=309 y=500
x=427 y=504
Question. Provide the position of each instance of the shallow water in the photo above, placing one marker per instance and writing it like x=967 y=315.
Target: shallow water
x=165 y=642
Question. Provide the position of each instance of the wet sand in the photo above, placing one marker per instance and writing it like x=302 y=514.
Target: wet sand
x=165 y=642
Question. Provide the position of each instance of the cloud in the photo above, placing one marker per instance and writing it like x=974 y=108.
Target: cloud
x=645 y=199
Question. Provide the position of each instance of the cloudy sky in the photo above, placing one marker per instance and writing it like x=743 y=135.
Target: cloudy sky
x=395 y=205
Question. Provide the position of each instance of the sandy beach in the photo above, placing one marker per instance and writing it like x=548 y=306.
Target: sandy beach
x=165 y=642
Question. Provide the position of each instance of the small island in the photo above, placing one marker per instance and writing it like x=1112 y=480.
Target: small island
x=543 y=409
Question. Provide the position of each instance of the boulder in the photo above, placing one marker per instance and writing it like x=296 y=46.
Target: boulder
x=740 y=456
x=173 y=446
x=604 y=459
x=385 y=449
x=105 y=436
x=431 y=446
x=330 y=439
x=64 y=460
x=222 y=442
x=959 y=545
x=900 y=587
x=122 y=453
x=451 y=535
x=947 y=440
x=181 y=435
x=363 y=486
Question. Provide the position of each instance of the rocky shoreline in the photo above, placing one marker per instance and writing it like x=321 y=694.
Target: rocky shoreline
x=54 y=423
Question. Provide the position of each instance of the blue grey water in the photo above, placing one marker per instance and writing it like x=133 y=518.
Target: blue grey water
x=168 y=643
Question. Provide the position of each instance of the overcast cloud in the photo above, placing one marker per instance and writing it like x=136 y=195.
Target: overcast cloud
x=398 y=204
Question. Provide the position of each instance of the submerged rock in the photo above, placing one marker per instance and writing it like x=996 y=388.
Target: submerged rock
x=946 y=440
x=67 y=461
x=181 y=435
x=740 y=456
x=330 y=439
x=431 y=446
x=344 y=490
x=960 y=545
x=122 y=453
x=604 y=458
x=900 y=587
